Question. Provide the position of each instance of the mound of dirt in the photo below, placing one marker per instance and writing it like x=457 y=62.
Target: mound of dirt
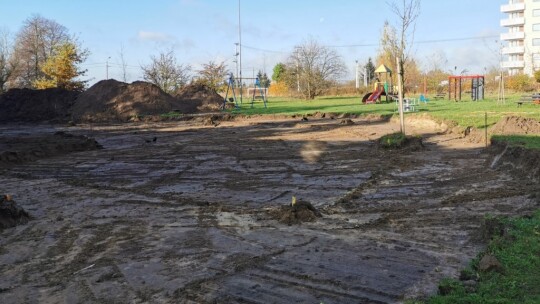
x=115 y=101
x=516 y=125
x=11 y=214
x=22 y=148
x=200 y=97
x=26 y=105
x=296 y=214
x=509 y=125
x=398 y=141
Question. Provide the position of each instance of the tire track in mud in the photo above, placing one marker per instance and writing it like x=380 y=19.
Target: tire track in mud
x=393 y=222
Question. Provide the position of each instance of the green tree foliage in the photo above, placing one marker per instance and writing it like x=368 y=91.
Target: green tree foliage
x=369 y=68
x=263 y=79
x=537 y=76
x=278 y=72
x=60 y=70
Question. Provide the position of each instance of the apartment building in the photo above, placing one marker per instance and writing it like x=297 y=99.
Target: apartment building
x=521 y=53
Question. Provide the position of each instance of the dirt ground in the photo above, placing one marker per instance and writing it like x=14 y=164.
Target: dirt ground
x=186 y=212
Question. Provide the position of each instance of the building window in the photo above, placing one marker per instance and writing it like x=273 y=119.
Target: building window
x=536 y=26
x=536 y=13
x=536 y=42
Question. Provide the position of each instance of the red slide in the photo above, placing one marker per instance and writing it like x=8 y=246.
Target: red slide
x=372 y=97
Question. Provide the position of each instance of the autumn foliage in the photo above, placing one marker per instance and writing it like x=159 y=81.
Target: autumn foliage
x=60 y=70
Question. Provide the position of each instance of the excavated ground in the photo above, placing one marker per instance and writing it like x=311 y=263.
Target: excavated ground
x=185 y=213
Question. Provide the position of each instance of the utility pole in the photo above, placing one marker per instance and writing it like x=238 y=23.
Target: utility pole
x=357 y=76
x=240 y=50
x=236 y=63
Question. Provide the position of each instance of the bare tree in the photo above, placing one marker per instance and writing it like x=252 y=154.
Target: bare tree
x=389 y=48
x=213 y=75
x=407 y=12
x=312 y=68
x=8 y=60
x=37 y=41
x=123 y=62
x=166 y=73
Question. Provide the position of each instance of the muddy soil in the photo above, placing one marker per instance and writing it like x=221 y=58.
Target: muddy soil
x=11 y=214
x=19 y=147
x=189 y=217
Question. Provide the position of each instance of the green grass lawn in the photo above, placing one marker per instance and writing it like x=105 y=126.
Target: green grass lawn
x=464 y=113
x=519 y=281
x=526 y=141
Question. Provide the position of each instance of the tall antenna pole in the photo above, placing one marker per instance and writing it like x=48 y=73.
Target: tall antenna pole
x=240 y=51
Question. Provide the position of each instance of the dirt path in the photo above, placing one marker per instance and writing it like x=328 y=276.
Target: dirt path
x=184 y=213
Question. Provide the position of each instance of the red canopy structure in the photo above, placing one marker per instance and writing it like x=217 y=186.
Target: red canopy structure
x=455 y=86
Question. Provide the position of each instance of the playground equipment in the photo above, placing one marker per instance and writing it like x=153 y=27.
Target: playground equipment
x=261 y=90
x=231 y=88
x=381 y=88
x=455 y=86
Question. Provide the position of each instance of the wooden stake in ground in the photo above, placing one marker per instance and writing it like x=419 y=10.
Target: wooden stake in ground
x=400 y=97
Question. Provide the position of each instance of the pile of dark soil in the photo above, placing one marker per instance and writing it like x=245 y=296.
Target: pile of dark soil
x=26 y=105
x=296 y=214
x=21 y=148
x=11 y=214
x=114 y=101
x=200 y=97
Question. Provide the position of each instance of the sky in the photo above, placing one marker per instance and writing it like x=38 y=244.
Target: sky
x=463 y=32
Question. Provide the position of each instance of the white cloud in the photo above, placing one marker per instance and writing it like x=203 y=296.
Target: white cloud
x=153 y=36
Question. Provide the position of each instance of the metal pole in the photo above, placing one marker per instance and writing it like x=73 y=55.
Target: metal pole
x=236 y=64
x=485 y=127
x=357 y=76
x=240 y=51
x=400 y=93
x=365 y=76
x=107 y=68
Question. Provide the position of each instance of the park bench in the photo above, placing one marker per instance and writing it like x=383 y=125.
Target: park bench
x=439 y=96
x=530 y=98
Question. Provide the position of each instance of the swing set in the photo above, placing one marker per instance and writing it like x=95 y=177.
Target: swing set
x=455 y=87
x=231 y=87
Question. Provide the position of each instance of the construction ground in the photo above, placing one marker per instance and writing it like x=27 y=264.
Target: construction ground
x=199 y=211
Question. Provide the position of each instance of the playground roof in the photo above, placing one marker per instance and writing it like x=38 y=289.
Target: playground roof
x=383 y=69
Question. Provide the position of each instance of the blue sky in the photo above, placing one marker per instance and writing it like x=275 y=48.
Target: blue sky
x=203 y=30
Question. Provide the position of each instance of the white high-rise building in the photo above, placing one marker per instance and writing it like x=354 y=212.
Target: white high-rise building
x=522 y=51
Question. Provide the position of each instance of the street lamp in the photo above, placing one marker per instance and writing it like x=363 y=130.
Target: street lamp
x=107 y=68
x=237 y=53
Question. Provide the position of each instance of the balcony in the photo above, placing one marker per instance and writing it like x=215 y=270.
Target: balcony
x=513 y=36
x=510 y=8
x=513 y=64
x=513 y=22
x=513 y=50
